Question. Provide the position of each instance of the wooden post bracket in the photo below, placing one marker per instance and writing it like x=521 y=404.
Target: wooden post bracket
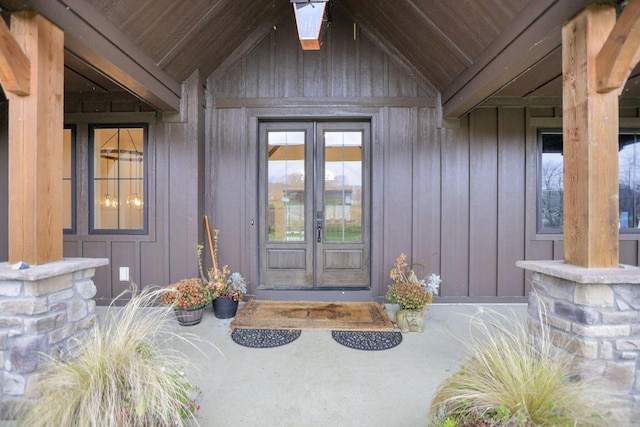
x=621 y=51
x=15 y=67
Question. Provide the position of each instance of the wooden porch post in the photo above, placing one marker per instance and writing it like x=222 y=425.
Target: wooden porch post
x=35 y=143
x=590 y=134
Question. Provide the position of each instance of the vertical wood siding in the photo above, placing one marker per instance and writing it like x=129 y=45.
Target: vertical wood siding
x=483 y=202
x=460 y=199
x=371 y=78
x=342 y=73
x=454 y=246
x=454 y=199
x=230 y=187
x=511 y=180
x=397 y=193
x=175 y=193
x=629 y=252
x=427 y=194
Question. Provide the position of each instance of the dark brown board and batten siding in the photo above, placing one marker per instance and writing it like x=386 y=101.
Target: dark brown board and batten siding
x=452 y=198
x=454 y=211
x=511 y=180
x=175 y=193
x=466 y=194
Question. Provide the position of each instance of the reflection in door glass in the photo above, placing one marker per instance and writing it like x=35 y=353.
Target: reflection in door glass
x=285 y=189
x=343 y=186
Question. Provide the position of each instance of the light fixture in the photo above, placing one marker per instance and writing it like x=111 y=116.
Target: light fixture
x=134 y=201
x=312 y=19
x=109 y=201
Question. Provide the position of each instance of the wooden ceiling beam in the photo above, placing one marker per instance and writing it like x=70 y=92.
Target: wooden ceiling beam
x=528 y=39
x=15 y=68
x=621 y=51
x=95 y=40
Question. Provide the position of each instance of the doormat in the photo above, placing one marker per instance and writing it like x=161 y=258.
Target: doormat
x=264 y=338
x=333 y=316
x=367 y=340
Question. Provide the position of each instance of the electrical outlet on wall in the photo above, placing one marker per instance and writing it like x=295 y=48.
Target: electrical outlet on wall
x=124 y=274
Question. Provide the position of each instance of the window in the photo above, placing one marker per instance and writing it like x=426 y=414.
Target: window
x=68 y=179
x=629 y=177
x=118 y=176
x=551 y=186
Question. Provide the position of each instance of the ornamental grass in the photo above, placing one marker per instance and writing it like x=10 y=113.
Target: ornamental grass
x=127 y=374
x=512 y=379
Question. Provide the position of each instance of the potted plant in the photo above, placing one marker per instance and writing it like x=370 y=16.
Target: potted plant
x=188 y=297
x=227 y=290
x=412 y=295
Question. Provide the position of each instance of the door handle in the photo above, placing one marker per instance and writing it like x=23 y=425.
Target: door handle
x=319 y=228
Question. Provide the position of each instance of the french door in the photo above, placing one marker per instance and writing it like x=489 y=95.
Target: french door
x=314 y=203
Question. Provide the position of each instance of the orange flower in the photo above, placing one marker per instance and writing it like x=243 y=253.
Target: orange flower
x=409 y=296
x=187 y=294
x=409 y=291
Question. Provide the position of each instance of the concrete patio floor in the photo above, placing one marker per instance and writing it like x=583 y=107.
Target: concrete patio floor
x=314 y=381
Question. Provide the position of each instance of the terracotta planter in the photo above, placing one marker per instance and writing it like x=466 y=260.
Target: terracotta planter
x=410 y=320
x=189 y=317
x=224 y=307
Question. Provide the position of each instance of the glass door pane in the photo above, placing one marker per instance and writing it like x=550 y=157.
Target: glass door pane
x=343 y=186
x=285 y=186
x=313 y=204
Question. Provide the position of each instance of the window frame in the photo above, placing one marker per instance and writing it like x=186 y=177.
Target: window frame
x=551 y=231
x=145 y=180
x=74 y=202
x=635 y=131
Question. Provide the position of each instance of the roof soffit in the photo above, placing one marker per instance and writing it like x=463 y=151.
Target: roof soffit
x=96 y=41
x=467 y=50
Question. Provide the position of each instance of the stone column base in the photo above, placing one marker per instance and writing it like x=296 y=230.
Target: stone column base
x=43 y=310
x=595 y=315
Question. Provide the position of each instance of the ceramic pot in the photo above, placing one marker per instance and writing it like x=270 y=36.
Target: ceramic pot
x=224 y=307
x=189 y=317
x=410 y=320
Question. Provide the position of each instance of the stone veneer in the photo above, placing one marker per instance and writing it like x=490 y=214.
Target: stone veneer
x=42 y=309
x=595 y=315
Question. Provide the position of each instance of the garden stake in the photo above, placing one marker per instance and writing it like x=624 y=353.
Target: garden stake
x=211 y=247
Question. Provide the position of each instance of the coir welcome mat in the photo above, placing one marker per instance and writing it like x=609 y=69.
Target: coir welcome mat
x=335 y=316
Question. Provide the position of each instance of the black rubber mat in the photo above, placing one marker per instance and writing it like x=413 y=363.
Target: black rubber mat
x=367 y=340
x=264 y=338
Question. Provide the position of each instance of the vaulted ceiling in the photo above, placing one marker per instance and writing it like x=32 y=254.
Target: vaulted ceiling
x=469 y=50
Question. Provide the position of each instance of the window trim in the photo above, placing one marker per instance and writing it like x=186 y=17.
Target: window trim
x=627 y=231
x=541 y=229
x=554 y=232
x=145 y=180
x=74 y=180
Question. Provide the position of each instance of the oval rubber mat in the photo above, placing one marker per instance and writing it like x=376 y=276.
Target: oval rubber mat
x=367 y=340
x=264 y=338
